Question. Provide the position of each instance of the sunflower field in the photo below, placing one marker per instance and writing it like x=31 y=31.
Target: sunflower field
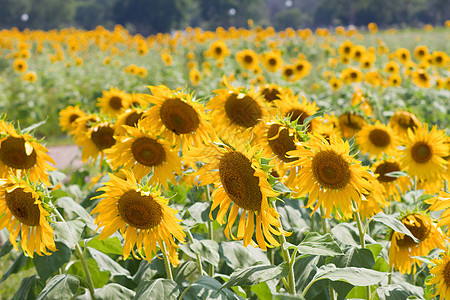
x=240 y=163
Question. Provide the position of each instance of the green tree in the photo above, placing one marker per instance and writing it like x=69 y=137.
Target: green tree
x=11 y=10
x=50 y=14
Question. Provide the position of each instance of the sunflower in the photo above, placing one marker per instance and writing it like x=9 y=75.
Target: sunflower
x=441 y=275
x=302 y=69
x=392 y=67
x=288 y=72
x=271 y=92
x=403 y=248
x=176 y=116
x=401 y=120
x=438 y=203
x=97 y=138
x=424 y=154
x=68 y=116
x=345 y=49
x=141 y=151
x=377 y=140
x=358 y=52
x=217 y=50
x=439 y=58
x=30 y=76
x=21 y=153
x=350 y=123
x=142 y=216
x=298 y=111
x=194 y=77
x=272 y=61
x=394 y=80
x=21 y=211
x=248 y=59
x=394 y=186
x=113 y=102
x=130 y=117
x=241 y=184
x=330 y=175
x=335 y=83
x=166 y=58
x=235 y=110
x=20 y=65
x=403 y=55
x=421 y=78
x=374 y=198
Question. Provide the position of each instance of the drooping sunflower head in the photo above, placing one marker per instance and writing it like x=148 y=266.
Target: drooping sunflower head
x=394 y=186
x=401 y=120
x=441 y=275
x=377 y=139
x=424 y=154
x=374 y=198
x=113 y=102
x=403 y=247
x=142 y=215
x=351 y=123
x=22 y=154
x=177 y=116
x=291 y=107
x=248 y=59
x=68 y=116
x=21 y=211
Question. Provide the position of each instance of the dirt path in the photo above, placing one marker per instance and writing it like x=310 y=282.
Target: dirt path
x=66 y=156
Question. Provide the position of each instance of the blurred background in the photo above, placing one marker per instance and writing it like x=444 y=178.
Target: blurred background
x=149 y=17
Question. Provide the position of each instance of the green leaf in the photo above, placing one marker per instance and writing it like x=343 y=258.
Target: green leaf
x=147 y=271
x=399 y=291
x=396 y=174
x=316 y=244
x=106 y=263
x=6 y=248
x=280 y=187
x=200 y=211
x=114 y=291
x=342 y=289
x=46 y=265
x=355 y=257
x=262 y=291
x=183 y=271
x=18 y=264
x=110 y=245
x=304 y=270
x=60 y=287
x=394 y=224
x=209 y=288
x=56 y=177
x=381 y=265
x=237 y=256
x=347 y=233
x=68 y=232
x=29 y=288
x=375 y=248
x=159 y=289
x=70 y=206
x=208 y=250
x=257 y=274
x=34 y=126
x=99 y=278
x=287 y=297
x=353 y=275
x=424 y=259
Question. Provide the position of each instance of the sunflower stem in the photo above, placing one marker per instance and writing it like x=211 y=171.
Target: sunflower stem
x=89 y=282
x=324 y=221
x=363 y=243
x=199 y=261
x=210 y=232
x=287 y=259
x=166 y=262
x=331 y=293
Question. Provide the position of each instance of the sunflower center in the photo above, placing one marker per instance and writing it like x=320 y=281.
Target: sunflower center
x=352 y=121
x=103 y=137
x=421 y=52
x=138 y=211
x=299 y=115
x=248 y=59
x=21 y=205
x=420 y=231
x=239 y=182
x=148 y=152
x=178 y=116
x=439 y=59
x=346 y=49
x=115 y=103
x=218 y=50
x=421 y=152
x=14 y=155
x=282 y=144
x=272 y=61
x=243 y=112
x=353 y=75
x=447 y=273
x=423 y=77
x=407 y=122
x=299 y=68
x=73 y=117
x=380 y=138
x=133 y=119
x=270 y=94
x=331 y=170
x=288 y=72
x=387 y=167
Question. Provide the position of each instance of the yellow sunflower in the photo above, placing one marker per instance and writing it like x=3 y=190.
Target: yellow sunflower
x=143 y=152
x=440 y=58
x=130 y=117
x=30 y=76
x=176 y=116
x=394 y=186
x=302 y=69
x=330 y=175
x=20 y=65
x=21 y=211
x=441 y=276
x=403 y=55
x=345 y=49
x=357 y=52
x=394 y=80
x=424 y=154
x=438 y=203
x=401 y=120
x=142 y=216
x=374 y=198
x=288 y=72
x=272 y=61
x=290 y=106
x=217 y=50
x=335 y=83
x=403 y=247
x=194 y=77
x=68 y=116
x=350 y=123
x=235 y=110
x=98 y=137
x=392 y=67
x=377 y=140
x=421 y=78
x=248 y=59
x=271 y=92
x=21 y=153
x=113 y=102
x=241 y=184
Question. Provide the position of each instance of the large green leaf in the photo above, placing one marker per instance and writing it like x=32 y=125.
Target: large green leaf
x=184 y=270
x=257 y=274
x=106 y=263
x=114 y=291
x=352 y=275
x=287 y=297
x=6 y=248
x=159 y=289
x=148 y=271
x=200 y=211
x=100 y=278
x=394 y=224
x=110 y=245
x=399 y=291
x=17 y=265
x=208 y=250
x=237 y=256
x=70 y=206
x=46 y=265
x=209 y=288
x=29 y=288
x=262 y=291
x=347 y=233
x=316 y=244
x=355 y=257
x=68 y=232
x=60 y=287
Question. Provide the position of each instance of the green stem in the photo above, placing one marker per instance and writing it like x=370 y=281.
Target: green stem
x=199 y=261
x=287 y=259
x=210 y=232
x=166 y=262
x=184 y=292
x=331 y=293
x=324 y=221
x=89 y=282
x=309 y=286
x=363 y=244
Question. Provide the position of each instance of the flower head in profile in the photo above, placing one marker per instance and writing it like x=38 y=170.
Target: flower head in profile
x=440 y=272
